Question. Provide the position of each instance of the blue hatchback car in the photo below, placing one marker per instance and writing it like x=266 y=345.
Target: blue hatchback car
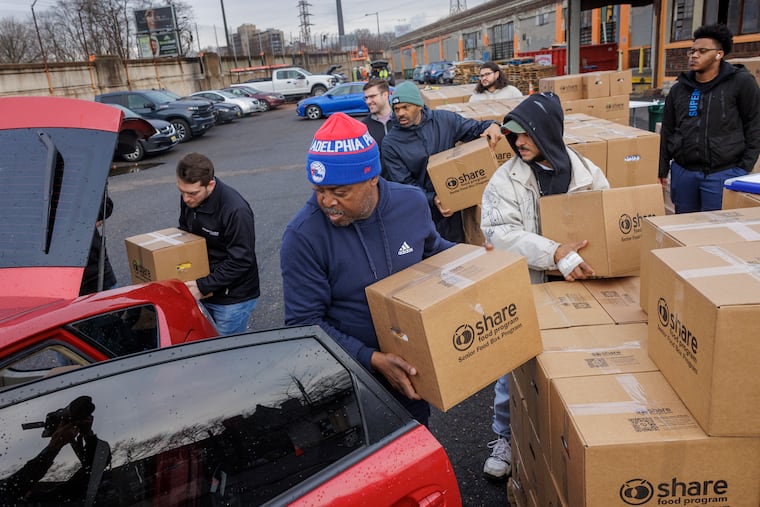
x=345 y=98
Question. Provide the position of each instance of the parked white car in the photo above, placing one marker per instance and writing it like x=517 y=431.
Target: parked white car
x=247 y=105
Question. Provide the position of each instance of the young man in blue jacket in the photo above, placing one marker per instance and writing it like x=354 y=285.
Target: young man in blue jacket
x=419 y=132
x=355 y=229
x=217 y=212
x=710 y=124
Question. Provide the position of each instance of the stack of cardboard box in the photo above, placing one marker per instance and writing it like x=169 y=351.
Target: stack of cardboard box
x=601 y=94
x=623 y=409
x=440 y=95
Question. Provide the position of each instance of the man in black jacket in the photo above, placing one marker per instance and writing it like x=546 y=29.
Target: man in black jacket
x=217 y=212
x=710 y=125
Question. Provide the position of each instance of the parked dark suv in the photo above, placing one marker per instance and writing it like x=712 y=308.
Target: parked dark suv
x=434 y=72
x=190 y=118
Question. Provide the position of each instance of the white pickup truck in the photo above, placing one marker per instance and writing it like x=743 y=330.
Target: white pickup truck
x=293 y=82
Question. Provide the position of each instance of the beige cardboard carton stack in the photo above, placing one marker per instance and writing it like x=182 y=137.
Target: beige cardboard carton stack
x=463 y=318
x=600 y=94
x=628 y=156
x=166 y=254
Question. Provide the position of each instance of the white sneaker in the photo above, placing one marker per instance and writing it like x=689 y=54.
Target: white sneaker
x=499 y=464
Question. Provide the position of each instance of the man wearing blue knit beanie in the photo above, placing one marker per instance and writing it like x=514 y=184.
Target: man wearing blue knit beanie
x=355 y=229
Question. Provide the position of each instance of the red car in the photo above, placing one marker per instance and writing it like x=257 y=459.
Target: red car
x=270 y=100
x=280 y=417
x=57 y=154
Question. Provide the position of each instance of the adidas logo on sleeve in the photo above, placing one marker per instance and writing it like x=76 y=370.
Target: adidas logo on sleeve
x=405 y=249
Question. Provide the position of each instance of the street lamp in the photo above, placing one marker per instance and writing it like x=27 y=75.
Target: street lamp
x=377 y=18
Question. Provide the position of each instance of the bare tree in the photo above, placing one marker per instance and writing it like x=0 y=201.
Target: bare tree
x=18 y=43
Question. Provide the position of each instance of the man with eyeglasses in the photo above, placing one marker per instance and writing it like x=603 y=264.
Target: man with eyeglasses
x=510 y=220
x=376 y=93
x=218 y=213
x=710 y=124
x=493 y=85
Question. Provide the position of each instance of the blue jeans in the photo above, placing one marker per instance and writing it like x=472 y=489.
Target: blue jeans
x=693 y=191
x=231 y=319
x=500 y=424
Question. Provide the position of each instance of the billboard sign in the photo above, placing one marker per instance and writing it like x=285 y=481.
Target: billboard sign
x=157 y=19
x=158 y=45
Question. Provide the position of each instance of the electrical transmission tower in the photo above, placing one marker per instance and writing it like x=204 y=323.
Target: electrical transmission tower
x=457 y=6
x=304 y=15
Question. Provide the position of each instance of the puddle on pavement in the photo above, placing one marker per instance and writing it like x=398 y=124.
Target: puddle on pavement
x=119 y=168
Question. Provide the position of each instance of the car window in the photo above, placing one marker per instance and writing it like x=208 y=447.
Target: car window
x=340 y=90
x=136 y=101
x=358 y=88
x=122 y=332
x=234 y=427
x=38 y=363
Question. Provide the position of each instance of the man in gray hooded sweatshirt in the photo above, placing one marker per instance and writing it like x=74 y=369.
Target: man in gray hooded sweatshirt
x=510 y=219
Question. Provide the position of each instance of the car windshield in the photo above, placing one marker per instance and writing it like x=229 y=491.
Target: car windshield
x=305 y=72
x=128 y=113
x=226 y=94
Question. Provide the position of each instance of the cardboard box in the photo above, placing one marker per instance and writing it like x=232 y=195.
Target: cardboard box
x=583 y=139
x=463 y=318
x=567 y=304
x=734 y=200
x=167 y=254
x=437 y=96
x=473 y=234
x=615 y=107
x=632 y=157
x=694 y=229
x=628 y=440
x=569 y=87
x=503 y=152
x=595 y=84
x=460 y=175
x=621 y=82
x=609 y=219
x=704 y=307
x=578 y=352
x=620 y=297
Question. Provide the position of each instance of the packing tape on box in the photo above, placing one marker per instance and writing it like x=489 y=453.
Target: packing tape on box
x=445 y=273
x=629 y=345
x=716 y=221
x=735 y=266
x=157 y=237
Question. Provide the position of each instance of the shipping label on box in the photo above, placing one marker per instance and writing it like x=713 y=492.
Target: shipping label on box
x=620 y=297
x=704 y=306
x=628 y=439
x=165 y=255
x=569 y=87
x=595 y=84
x=567 y=304
x=463 y=318
x=695 y=229
x=460 y=175
x=609 y=219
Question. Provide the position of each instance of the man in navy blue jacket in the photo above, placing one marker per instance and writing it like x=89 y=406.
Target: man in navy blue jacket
x=419 y=132
x=356 y=229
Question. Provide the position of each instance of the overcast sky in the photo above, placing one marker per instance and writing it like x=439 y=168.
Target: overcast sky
x=284 y=14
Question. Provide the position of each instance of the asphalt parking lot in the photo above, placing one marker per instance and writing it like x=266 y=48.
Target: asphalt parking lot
x=263 y=157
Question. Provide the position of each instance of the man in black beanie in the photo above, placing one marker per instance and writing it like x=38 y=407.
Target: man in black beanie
x=510 y=220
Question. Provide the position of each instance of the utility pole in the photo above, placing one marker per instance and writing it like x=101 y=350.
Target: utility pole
x=377 y=18
x=226 y=32
x=42 y=49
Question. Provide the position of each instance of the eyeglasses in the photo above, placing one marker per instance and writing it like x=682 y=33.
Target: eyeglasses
x=701 y=51
x=486 y=74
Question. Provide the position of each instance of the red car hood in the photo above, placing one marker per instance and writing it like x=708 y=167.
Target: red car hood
x=57 y=153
